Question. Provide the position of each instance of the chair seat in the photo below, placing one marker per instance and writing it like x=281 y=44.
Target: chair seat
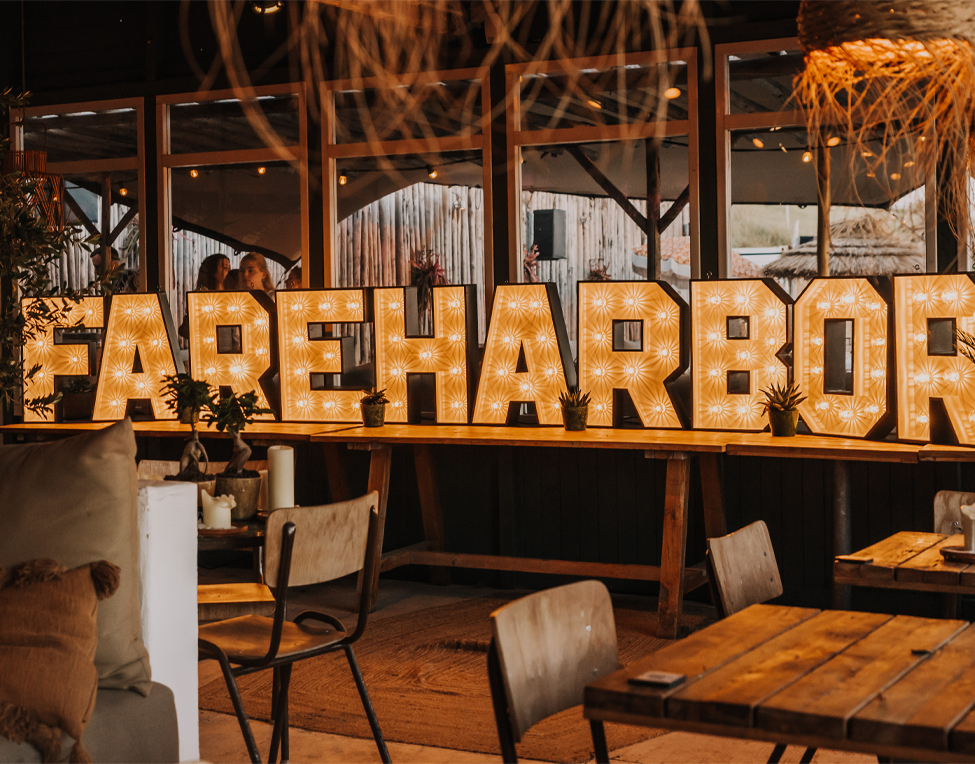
x=248 y=637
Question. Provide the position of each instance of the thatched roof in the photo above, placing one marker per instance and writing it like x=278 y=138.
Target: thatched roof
x=861 y=247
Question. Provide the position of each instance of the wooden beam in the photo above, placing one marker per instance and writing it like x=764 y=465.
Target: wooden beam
x=126 y=219
x=653 y=227
x=675 y=209
x=608 y=186
x=80 y=213
x=106 y=231
x=823 y=194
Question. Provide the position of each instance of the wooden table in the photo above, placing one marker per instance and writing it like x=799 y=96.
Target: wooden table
x=675 y=446
x=907 y=560
x=890 y=685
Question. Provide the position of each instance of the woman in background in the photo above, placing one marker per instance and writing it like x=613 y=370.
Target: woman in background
x=213 y=272
x=234 y=281
x=253 y=270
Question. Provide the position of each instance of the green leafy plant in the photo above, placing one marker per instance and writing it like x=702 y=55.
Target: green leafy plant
x=233 y=413
x=28 y=249
x=966 y=344
x=374 y=397
x=782 y=398
x=573 y=399
x=78 y=386
x=187 y=397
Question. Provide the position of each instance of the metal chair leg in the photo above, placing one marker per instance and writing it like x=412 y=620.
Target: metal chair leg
x=245 y=727
x=285 y=726
x=777 y=752
x=367 y=705
x=599 y=741
x=807 y=756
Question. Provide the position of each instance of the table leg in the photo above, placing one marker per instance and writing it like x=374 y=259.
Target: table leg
x=338 y=483
x=380 y=457
x=430 y=509
x=712 y=495
x=674 y=546
x=842 y=528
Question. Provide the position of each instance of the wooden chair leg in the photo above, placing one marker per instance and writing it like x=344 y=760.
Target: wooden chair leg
x=377 y=733
x=777 y=752
x=599 y=741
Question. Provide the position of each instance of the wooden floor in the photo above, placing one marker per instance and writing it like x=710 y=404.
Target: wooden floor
x=221 y=742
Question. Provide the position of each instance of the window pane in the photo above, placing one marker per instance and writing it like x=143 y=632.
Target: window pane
x=419 y=111
x=763 y=81
x=223 y=125
x=85 y=135
x=615 y=96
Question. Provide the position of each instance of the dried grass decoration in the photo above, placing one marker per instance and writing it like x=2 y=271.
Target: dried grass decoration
x=899 y=75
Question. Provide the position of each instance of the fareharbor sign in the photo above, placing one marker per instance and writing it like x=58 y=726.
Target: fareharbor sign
x=869 y=353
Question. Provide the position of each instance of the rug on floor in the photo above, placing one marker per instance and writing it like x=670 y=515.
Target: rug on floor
x=426 y=672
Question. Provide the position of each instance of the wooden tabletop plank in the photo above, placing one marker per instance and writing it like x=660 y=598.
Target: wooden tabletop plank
x=822 y=701
x=694 y=657
x=936 y=453
x=922 y=708
x=930 y=567
x=820 y=447
x=881 y=559
x=730 y=694
x=962 y=738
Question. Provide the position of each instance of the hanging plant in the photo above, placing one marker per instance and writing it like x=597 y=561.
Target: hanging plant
x=426 y=273
x=530 y=264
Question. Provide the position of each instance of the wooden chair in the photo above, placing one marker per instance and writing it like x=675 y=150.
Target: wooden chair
x=546 y=648
x=743 y=572
x=947 y=510
x=304 y=546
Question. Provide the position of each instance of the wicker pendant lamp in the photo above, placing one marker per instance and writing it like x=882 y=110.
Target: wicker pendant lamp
x=47 y=198
x=898 y=74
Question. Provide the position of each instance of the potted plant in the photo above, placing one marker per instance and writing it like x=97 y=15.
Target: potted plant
x=373 y=407
x=575 y=409
x=233 y=413
x=78 y=399
x=781 y=405
x=187 y=397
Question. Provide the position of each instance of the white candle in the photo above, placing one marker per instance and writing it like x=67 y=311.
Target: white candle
x=968 y=525
x=216 y=511
x=280 y=477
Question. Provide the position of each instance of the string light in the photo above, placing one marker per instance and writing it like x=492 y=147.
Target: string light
x=763 y=306
x=194 y=173
x=848 y=299
x=431 y=172
x=297 y=308
x=603 y=369
x=445 y=354
x=261 y=170
x=53 y=359
x=135 y=328
x=253 y=366
x=672 y=93
x=515 y=319
x=343 y=179
x=922 y=376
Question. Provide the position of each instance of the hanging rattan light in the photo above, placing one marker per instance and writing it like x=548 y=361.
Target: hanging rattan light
x=899 y=74
x=47 y=198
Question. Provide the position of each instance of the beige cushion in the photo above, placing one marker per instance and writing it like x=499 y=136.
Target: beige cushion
x=75 y=501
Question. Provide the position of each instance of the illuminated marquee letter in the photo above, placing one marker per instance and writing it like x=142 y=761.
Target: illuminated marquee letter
x=738 y=329
x=526 y=324
x=448 y=354
x=140 y=349
x=841 y=351
x=231 y=342
x=302 y=356
x=606 y=366
x=927 y=310
x=56 y=359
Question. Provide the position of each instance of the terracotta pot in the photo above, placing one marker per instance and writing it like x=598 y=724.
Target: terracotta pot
x=575 y=417
x=373 y=414
x=246 y=492
x=783 y=423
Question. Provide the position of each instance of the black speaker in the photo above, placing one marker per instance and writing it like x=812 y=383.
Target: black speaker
x=548 y=234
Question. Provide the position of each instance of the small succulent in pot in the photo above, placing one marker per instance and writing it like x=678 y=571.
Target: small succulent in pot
x=575 y=409
x=373 y=407
x=782 y=406
x=187 y=397
x=233 y=413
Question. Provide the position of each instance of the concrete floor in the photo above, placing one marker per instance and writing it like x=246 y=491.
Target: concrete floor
x=221 y=741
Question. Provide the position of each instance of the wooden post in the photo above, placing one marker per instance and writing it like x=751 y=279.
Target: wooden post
x=671 y=600
x=653 y=208
x=380 y=458
x=712 y=495
x=430 y=509
x=106 y=231
x=823 y=194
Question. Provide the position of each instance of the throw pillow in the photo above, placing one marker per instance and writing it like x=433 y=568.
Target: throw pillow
x=48 y=635
x=76 y=501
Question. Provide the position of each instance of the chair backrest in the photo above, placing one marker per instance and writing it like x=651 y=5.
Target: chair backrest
x=947 y=510
x=550 y=645
x=743 y=568
x=330 y=541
